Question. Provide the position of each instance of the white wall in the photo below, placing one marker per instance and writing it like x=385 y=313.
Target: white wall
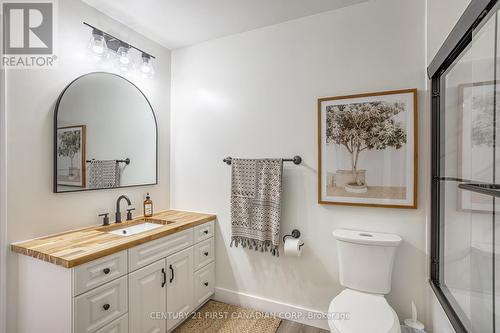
x=33 y=210
x=442 y=15
x=254 y=95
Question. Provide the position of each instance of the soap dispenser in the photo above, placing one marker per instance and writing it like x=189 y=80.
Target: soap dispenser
x=148 y=206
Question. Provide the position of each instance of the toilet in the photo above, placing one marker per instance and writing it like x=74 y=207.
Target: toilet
x=365 y=268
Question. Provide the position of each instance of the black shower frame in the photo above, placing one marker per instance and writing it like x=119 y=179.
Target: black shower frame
x=457 y=41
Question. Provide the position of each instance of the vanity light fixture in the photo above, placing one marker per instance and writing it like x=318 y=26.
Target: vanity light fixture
x=103 y=45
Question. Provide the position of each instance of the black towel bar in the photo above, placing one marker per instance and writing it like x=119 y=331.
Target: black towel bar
x=126 y=161
x=296 y=160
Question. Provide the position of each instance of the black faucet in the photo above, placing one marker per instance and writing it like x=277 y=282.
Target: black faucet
x=118 y=214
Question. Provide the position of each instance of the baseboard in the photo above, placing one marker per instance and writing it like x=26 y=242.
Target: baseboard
x=286 y=311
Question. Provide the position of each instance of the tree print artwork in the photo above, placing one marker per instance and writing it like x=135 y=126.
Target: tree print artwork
x=69 y=145
x=365 y=126
x=367 y=147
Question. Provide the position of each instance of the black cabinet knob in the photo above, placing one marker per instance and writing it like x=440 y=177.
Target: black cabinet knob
x=106 y=306
x=206 y=254
x=206 y=232
x=106 y=271
x=206 y=284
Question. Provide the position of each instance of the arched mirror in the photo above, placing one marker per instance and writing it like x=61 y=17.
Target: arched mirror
x=105 y=135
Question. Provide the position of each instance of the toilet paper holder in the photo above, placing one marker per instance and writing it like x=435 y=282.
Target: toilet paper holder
x=295 y=234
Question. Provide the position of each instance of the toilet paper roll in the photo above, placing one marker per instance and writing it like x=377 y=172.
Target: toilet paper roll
x=292 y=247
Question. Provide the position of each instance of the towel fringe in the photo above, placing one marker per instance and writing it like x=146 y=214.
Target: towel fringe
x=255 y=244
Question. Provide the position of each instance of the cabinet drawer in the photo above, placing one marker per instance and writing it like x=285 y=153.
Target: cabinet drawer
x=118 y=326
x=204 y=280
x=149 y=252
x=203 y=231
x=203 y=253
x=100 y=306
x=95 y=273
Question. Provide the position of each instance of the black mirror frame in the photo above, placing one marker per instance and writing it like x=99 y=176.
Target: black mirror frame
x=54 y=152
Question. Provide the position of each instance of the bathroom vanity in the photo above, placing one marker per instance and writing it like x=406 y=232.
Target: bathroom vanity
x=95 y=280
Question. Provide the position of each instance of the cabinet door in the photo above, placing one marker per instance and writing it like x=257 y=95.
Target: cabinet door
x=179 y=286
x=148 y=298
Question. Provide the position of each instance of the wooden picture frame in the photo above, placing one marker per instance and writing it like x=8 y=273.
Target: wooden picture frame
x=336 y=186
x=74 y=177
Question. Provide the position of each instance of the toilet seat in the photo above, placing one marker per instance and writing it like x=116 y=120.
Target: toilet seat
x=366 y=313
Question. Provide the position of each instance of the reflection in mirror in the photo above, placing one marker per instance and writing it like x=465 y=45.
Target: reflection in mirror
x=105 y=135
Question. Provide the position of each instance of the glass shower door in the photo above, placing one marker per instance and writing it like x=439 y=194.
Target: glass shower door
x=468 y=174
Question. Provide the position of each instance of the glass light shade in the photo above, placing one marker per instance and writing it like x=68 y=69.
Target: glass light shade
x=123 y=57
x=97 y=45
x=146 y=67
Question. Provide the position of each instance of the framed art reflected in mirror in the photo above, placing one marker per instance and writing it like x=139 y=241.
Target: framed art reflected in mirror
x=477 y=147
x=71 y=165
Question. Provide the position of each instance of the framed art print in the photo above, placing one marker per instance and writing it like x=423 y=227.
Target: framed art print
x=367 y=148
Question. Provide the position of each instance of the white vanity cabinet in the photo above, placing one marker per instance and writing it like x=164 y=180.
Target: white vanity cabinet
x=149 y=288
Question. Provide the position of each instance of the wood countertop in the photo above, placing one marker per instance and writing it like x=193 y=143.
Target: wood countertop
x=73 y=248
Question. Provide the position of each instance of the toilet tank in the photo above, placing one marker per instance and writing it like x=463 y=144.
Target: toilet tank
x=366 y=259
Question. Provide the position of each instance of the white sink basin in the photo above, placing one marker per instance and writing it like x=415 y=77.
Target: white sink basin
x=136 y=229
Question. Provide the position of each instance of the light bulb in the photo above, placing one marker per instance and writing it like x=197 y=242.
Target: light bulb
x=98 y=49
x=146 y=68
x=124 y=60
x=98 y=44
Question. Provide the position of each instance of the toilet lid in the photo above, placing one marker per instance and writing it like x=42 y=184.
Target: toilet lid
x=363 y=313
